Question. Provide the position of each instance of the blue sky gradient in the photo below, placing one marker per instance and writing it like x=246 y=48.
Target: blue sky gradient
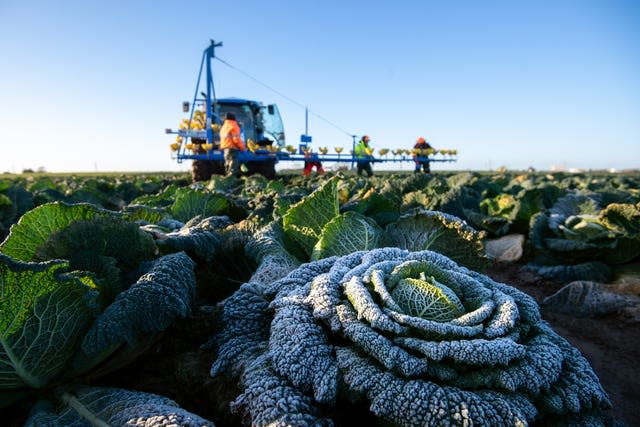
x=88 y=86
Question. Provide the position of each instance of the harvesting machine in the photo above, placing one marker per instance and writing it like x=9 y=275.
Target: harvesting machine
x=198 y=136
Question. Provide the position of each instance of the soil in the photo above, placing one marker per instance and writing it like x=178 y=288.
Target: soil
x=177 y=367
x=610 y=343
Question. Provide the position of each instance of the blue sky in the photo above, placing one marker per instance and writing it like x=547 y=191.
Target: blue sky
x=91 y=85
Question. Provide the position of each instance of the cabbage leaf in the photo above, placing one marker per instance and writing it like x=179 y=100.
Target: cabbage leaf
x=150 y=305
x=576 y=231
x=190 y=203
x=347 y=233
x=103 y=406
x=427 y=299
x=305 y=220
x=43 y=312
x=35 y=226
x=439 y=232
x=111 y=248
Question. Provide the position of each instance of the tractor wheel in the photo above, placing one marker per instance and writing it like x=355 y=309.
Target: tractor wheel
x=217 y=167
x=201 y=170
x=266 y=168
x=269 y=169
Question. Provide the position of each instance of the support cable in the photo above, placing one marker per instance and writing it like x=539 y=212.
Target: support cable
x=299 y=104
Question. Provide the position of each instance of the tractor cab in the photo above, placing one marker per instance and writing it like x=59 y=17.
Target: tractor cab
x=259 y=123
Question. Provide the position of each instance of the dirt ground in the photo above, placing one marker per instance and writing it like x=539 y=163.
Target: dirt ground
x=178 y=368
x=611 y=343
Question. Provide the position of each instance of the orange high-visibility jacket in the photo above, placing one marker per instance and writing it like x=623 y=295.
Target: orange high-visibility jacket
x=230 y=136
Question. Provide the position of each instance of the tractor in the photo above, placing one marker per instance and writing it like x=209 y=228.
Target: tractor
x=262 y=130
x=198 y=137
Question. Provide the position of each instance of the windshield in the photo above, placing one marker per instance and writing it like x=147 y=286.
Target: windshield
x=261 y=124
x=273 y=128
x=244 y=116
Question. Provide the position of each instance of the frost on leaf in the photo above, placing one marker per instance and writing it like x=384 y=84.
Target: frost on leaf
x=422 y=340
x=99 y=406
x=150 y=305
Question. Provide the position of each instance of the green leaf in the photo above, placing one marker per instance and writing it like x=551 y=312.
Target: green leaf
x=282 y=202
x=571 y=205
x=438 y=232
x=594 y=271
x=144 y=213
x=584 y=228
x=5 y=201
x=377 y=207
x=190 y=203
x=621 y=217
x=415 y=199
x=624 y=219
x=625 y=250
x=539 y=230
x=532 y=201
x=224 y=184
x=42 y=183
x=21 y=202
x=35 y=226
x=43 y=312
x=305 y=220
x=162 y=199
x=345 y=234
x=496 y=225
x=5 y=184
x=427 y=299
x=107 y=246
x=503 y=205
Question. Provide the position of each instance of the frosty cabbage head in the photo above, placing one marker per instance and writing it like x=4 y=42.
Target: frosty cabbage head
x=421 y=339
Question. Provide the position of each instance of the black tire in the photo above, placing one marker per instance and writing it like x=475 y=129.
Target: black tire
x=269 y=169
x=266 y=168
x=217 y=167
x=201 y=170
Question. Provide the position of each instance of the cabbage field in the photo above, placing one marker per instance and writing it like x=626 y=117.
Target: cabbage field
x=454 y=298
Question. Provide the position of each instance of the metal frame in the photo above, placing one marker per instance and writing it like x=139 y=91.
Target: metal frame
x=260 y=155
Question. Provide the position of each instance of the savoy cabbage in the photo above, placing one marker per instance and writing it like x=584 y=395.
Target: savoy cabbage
x=91 y=239
x=467 y=351
x=419 y=230
x=316 y=225
x=582 y=234
x=52 y=326
x=40 y=302
x=62 y=320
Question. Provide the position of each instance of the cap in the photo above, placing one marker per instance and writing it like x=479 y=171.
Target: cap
x=365 y=138
x=230 y=116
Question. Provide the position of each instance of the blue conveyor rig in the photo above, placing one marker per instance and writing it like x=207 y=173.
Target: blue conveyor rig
x=263 y=132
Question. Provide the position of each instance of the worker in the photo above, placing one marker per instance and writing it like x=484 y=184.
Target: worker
x=363 y=155
x=312 y=160
x=231 y=143
x=422 y=159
